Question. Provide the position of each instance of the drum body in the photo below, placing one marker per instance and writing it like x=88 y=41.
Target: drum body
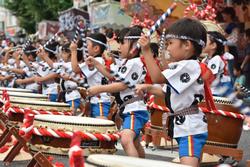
x=223 y=130
x=39 y=107
x=52 y=134
x=156 y=113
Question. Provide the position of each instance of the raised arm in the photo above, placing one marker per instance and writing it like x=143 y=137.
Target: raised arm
x=152 y=67
x=74 y=62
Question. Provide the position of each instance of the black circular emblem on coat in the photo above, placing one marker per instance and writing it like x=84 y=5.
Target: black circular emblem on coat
x=200 y=81
x=205 y=119
x=173 y=67
x=123 y=69
x=179 y=120
x=134 y=76
x=45 y=68
x=213 y=66
x=126 y=98
x=185 y=77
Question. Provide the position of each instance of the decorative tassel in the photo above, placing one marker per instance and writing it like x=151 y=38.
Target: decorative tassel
x=27 y=126
x=75 y=152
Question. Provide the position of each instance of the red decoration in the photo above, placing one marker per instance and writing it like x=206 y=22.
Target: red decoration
x=206 y=14
x=147 y=23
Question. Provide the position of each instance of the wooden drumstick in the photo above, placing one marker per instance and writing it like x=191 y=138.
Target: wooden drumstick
x=157 y=24
x=162 y=43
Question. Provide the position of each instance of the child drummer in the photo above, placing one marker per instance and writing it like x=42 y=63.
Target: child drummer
x=183 y=87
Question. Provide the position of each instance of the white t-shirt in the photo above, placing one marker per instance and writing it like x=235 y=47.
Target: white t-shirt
x=31 y=86
x=66 y=68
x=48 y=87
x=217 y=66
x=185 y=88
x=94 y=77
x=131 y=72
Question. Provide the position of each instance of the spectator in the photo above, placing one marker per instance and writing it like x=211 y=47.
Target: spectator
x=232 y=31
x=240 y=77
x=245 y=66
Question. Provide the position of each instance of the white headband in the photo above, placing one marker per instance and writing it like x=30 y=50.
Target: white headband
x=31 y=51
x=198 y=41
x=97 y=41
x=52 y=51
x=219 y=40
x=132 y=37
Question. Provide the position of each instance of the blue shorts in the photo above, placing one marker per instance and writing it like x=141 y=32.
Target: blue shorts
x=191 y=146
x=74 y=103
x=52 y=97
x=135 y=121
x=100 y=109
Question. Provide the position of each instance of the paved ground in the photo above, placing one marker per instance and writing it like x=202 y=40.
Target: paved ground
x=164 y=155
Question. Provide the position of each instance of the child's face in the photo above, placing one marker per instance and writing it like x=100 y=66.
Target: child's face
x=65 y=56
x=124 y=49
x=176 y=49
x=236 y=72
x=209 y=46
x=91 y=48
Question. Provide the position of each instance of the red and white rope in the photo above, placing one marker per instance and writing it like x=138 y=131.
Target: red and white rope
x=151 y=104
x=14 y=109
x=27 y=125
x=68 y=134
x=224 y=113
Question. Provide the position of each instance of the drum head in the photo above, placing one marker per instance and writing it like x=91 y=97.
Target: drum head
x=73 y=123
x=26 y=95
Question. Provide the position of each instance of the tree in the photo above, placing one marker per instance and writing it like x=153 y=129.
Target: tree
x=31 y=12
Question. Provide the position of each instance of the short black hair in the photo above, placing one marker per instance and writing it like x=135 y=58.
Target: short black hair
x=65 y=47
x=52 y=46
x=110 y=33
x=30 y=50
x=229 y=11
x=155 y=49
x=133 y=31
x=192 y=29
x=99 y=37
x=121 y=35
x=219 y=39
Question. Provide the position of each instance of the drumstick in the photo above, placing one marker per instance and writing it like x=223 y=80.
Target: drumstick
x=162 y=42
x=157 y=24
x=51 y=39
x=84 y=42
x=76 y=33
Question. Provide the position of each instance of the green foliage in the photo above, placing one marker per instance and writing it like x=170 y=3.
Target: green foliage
x=31 y=12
